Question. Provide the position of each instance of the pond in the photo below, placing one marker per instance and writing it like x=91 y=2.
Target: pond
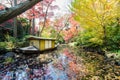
x=57 y=65
x=64 y=66
x=65 y=63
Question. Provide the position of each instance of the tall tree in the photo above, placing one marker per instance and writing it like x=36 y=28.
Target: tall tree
x=94 y=16
x=15 y=22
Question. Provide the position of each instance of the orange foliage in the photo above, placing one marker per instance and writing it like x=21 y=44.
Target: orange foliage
x=72 y=31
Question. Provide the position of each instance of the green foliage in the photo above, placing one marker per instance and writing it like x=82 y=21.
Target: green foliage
x=2 y=32
x=11 y=42
x=23 y=29
x=46 y=33
x=53 y=33
x=87 y=39
x=22 y=42
x=2 y=44
x=25 y=26
x=49 y=32
x=113 y=36
x=9 y=38
x=8 y=42
x=8 y=60
x=98 y=20
x=60 y=40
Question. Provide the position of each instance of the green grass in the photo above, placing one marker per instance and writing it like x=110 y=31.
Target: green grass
x=9 y=60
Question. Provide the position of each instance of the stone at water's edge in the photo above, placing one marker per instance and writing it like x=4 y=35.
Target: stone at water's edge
x=113 y=56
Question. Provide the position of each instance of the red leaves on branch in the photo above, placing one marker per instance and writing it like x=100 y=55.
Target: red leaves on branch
x=39 y=10
x=72 y=31
x=48 y=22
x=59 y=23
x=68 y=26
x=1 y=7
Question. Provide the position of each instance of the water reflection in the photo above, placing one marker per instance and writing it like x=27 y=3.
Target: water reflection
x=63 y=67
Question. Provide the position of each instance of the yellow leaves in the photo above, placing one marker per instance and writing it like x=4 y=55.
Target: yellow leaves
x=96 y=40
x=93 y=15
x=95 y=11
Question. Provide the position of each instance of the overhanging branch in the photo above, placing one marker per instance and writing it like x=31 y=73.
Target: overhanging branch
x=17 y=10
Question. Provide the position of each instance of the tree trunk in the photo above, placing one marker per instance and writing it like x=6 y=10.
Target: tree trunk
x=105 y=36
x=33 y=26
x=15 y=22
x=15 y=27
x=14 y=11
x=45 y=18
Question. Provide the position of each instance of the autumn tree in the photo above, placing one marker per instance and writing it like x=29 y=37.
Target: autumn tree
x=94 y=16
x=72 y=29
x=59 y=25
x=66 y=27
x=42 y=11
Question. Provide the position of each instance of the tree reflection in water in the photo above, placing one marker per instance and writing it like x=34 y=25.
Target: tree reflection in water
x=63 y=66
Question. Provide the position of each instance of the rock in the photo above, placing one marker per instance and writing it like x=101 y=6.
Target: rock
x=9 y=54
x=117 y=63
x=117 y=73
x=112 y=55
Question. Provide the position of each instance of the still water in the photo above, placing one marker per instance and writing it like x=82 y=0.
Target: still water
x=62 y=65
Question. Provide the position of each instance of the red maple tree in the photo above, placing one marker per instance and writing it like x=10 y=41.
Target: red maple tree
x=67 y=26
x=42 y=11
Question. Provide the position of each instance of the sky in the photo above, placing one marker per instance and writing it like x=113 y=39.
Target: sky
x=63 y=5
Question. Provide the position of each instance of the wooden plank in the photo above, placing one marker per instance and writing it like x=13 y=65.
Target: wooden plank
x=40 y=38
x=50 y=45
x=42 y=45
x=35 y=43
x=46 y=44
x=53 y=44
